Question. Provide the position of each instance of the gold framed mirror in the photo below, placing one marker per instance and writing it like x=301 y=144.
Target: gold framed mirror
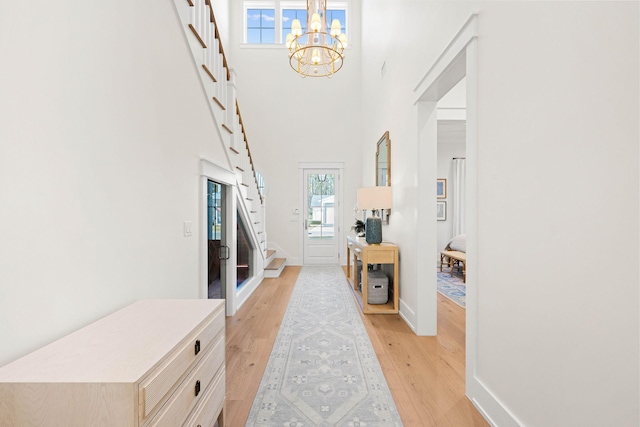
x=383 y=161
x=383 y=169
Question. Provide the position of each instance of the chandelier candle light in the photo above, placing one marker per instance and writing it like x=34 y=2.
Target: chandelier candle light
x=316 y=52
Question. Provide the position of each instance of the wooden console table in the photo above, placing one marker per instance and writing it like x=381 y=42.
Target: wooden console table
x=384 y=253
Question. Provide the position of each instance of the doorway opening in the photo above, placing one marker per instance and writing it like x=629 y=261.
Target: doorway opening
x=458 y=60
x=450 y=204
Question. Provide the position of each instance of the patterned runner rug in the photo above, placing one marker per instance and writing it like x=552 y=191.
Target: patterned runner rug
x=322 y=370
x=452 y=287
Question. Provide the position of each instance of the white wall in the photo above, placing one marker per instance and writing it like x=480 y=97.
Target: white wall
x=557 y=190
x=102 y=124
x=290 y=120
x=221 y=12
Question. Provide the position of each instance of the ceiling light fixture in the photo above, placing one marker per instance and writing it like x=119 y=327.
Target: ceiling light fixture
x=316 y=52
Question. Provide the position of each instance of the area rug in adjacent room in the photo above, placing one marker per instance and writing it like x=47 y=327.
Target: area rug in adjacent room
x=323 y=370
x=452 y=287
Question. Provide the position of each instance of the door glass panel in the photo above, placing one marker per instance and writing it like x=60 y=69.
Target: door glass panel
x=244 y=254
x=215 y=239
x=320 y=206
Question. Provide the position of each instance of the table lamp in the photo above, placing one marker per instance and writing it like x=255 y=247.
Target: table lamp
x=374 y=198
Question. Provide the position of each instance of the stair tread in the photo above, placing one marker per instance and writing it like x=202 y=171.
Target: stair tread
x=270 y=252
x=275 y=264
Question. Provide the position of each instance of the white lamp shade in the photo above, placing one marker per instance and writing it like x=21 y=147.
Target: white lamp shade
x=343 y=40
x=296 y=28
x=316 y=24
x=289 y=41
x=315 y=56
x=335 y=28
x=374 y=198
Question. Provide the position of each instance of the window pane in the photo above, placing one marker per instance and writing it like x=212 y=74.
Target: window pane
x=260 y=26
x=320 y=206
x=288 y=15
x=268 y=36
x=253 y=18
x=253 y=35
x=268 y=18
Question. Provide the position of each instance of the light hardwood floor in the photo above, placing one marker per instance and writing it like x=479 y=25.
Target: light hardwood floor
x=425 y=374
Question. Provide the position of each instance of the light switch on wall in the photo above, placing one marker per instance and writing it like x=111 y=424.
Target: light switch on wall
x=187 y=228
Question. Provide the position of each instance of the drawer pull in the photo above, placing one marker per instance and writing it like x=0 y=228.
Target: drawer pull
x=197 y=346
x=197 y=387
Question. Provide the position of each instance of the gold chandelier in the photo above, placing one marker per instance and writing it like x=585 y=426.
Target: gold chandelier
x=316 y=52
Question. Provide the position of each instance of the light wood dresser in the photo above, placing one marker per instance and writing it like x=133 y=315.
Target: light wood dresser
x=153 y=363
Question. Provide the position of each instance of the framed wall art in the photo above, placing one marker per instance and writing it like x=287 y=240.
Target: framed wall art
x=441 y=210
x=441 y=188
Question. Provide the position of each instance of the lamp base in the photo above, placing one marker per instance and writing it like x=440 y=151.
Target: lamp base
x=373 y=230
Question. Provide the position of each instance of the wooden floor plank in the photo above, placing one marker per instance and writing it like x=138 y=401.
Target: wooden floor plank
x=426 y=375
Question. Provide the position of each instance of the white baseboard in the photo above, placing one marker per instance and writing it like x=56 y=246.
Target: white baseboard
x=408 y=315
x=491 y=408
x=245 y=292
x=280 y=253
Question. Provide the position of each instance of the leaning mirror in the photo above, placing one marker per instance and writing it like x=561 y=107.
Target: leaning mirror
x=383 y=169
x=383 y=161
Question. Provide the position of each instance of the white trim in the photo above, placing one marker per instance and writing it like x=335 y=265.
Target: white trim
x=247 y=289
x=231 y=238
x=339 y=234
x=321 y=165
x=467 y=33
x=217 y=173
x=408 y=315
x=426 y=315
x=460 y=56
x=257 y=259
x=491 y=408
x=262 y=46
x=290 y=259
x=213 y=172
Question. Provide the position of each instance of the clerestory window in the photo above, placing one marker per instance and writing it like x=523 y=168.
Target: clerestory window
x=269 y=22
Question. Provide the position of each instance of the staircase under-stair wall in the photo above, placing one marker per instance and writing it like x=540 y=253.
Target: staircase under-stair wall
x=219 y=83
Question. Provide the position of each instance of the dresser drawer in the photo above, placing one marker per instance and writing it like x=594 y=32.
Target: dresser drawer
x=209 y=407
x=162 y=380
x=381 y=257
x=183 y=400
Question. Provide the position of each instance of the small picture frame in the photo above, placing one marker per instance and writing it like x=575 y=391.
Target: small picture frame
x=441 y=188
x=441 y=210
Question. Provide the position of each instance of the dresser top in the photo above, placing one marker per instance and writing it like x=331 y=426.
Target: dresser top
x=360 y=241
x=121 y=347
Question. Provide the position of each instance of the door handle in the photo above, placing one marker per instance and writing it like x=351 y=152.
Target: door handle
x=226 y=252
x=306 y=224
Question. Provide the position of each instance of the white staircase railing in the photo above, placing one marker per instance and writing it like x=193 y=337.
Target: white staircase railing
x=219 y=82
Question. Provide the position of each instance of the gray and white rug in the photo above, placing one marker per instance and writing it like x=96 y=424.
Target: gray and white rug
x=322 y=370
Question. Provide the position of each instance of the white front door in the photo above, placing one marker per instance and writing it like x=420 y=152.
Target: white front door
x=321 y=216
